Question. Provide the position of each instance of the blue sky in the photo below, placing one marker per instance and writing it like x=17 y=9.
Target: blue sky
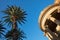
x=33 y=9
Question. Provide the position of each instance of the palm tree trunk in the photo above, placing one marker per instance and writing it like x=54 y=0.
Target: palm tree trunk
x=14 y=26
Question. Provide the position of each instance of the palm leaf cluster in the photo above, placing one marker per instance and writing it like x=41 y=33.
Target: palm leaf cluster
x=14 y=12
x=15 y=34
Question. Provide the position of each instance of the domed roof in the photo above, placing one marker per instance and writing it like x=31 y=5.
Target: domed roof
x=48 y=17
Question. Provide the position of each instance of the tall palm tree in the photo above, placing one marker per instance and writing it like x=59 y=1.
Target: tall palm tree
x=1 y=29
x=13 y=16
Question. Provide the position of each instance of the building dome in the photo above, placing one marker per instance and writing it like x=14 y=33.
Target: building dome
x=50 y=17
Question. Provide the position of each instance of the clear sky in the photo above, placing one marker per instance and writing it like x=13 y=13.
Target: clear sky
x=33 y=9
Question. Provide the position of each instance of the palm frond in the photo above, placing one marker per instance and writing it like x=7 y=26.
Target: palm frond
x=1 y=29
x=7 y=20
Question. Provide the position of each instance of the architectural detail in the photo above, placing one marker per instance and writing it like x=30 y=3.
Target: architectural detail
x=49 y=21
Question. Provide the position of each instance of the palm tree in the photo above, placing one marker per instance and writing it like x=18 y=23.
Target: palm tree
x=15 y=34
x=1 y=29
x=13 y=16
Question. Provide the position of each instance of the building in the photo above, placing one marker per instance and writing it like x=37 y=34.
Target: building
x=49 y=21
